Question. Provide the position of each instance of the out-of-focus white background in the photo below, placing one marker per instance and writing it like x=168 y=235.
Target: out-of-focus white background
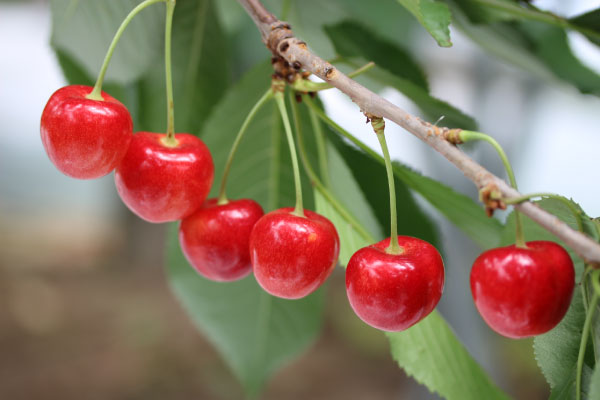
x=49 y=222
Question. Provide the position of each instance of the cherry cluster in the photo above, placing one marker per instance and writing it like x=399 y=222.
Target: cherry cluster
x=520 y=290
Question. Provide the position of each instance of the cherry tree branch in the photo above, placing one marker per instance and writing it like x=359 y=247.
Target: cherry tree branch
x=280 y=40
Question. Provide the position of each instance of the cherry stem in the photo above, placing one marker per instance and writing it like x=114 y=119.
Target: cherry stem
x=170 y=139
x=318 y=184
x=279 y=99
x=379 y=127
x=222 y=198
x=586 y=331
x=562 y=199
x=96 y=93
x=467 y=136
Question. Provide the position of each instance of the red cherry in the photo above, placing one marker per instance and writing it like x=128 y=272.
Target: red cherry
x=85 y=138
x=392 y=292
x=522 y=292
x=292 y=256
x=215 y=239
x=160 y=183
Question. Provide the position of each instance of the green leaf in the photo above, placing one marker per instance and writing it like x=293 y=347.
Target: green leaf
x=200 y=67
x=394 y=67
x=430 y=353
x=556 y=351
x=594 y=388
x=589 y=20
x=538 y=47
x=434 y=16
x=352 y=39
x=83 y=29
x=462 y=211
x=255 y=332
x=565 y=390
x=551 y=46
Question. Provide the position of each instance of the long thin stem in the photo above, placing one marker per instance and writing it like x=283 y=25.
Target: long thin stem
x=319 y=185
x=467 y=136
x=222 y=198
x=170 y=139
x=299 y=209
x=586 y=331
x=96 y=93
x=379 y=128
x=321 y=148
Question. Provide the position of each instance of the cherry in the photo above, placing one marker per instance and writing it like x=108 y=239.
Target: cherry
x=162 y=181
x=215 y=239
x=522 y=292
x=85 y=138
x=392 y=292
x=292 y=255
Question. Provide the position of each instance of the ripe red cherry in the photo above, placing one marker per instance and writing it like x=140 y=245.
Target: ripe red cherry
x=392 y=292
x=85 y=138
x=215 y=239
x=292 y=256
x=163 y=183
x=522 y=292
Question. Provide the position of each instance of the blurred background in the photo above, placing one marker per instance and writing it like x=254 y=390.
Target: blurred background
x=86 y=313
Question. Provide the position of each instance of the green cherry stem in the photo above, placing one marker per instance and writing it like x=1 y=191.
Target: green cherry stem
x=324 y=190
x=279 y=99
x=222 y=198
x=467 y=136
x=170 y=139
x=586 y=331
x=96 y=93
x=379 y=127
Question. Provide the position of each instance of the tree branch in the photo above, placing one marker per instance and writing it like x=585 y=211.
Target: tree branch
x=279 y=38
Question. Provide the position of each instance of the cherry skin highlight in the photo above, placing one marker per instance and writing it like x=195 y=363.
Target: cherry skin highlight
x=522 y=292
x=392 y=292
x=215 y=239
x=160 y=183
x=292 y=256
x=85 y=138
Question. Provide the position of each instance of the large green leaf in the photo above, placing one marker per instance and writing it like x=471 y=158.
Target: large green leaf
x=430 y=352
x=200 y=70
x=83 y=29
x=594 y=388
x=462 y=211
x=434 y=16
x=394 y=67
x=255 y=332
